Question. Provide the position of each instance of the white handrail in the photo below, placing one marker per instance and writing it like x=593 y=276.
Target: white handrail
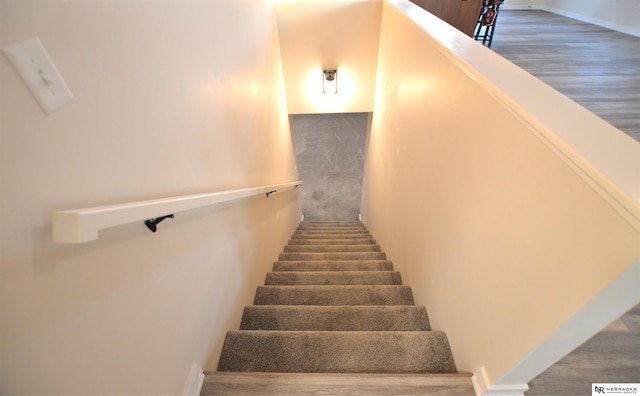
x=82 y=225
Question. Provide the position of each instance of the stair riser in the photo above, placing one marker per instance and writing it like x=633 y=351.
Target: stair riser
x=330 y=248
x=336 y=352
x=333 y=278
x=333 y=295
x=337 y=265
x=332 y=256
x=342 y=318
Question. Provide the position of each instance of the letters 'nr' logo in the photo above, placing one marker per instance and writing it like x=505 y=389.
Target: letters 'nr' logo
x=599 y=389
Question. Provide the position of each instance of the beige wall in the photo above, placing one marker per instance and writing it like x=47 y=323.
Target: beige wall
x=329 y=35
x=522 y=4
x=622 y=15
x=497 y=232
x=171 y=98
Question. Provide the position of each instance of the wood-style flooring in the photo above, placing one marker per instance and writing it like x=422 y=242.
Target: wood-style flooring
x=611 y=356
x=271 y=384
x=594 y=66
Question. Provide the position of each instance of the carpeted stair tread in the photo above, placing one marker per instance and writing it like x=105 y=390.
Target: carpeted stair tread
x=335 y=318
x=333 y=227
x=331 y=224
x=331 y=235
x=330 y=248
x=334 y=278
x=368 y=241
x=334 y=304
x=330 y=231
x=334 y=295
x=333 y=256
x=325 y=235
x=364 y=241
x=345 y=230
x=333 y=265
x=337 y=352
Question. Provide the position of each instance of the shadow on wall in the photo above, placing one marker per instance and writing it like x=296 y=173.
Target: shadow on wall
x=330 y=151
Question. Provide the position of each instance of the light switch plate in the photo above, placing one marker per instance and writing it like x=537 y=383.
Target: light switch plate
x=37 y=70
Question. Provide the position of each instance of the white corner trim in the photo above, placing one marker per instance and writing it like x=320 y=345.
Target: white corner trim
x=483 y=387
x=194 y=382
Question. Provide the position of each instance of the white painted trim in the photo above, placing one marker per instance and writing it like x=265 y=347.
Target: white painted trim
x=594 y=21
x=483 y=387
x=194 y=382
x=82 y=225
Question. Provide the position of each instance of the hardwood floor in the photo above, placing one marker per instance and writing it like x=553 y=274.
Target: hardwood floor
x=264 y=384
x=594 y=66
x=613 y=355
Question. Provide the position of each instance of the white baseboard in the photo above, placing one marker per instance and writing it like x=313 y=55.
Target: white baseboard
x=522 y=5
x=194 y=382
x=595 y=21
x=519 y=8
x=482 y=386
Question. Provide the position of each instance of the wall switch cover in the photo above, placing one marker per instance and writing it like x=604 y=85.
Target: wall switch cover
x=40 y=74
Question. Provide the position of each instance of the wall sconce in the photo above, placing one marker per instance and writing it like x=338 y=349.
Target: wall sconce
x=329 y=81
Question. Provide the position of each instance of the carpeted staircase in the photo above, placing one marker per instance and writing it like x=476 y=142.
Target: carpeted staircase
x=333 y=304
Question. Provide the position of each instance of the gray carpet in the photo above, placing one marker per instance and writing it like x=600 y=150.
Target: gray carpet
x=334 y=278
x=336 y=318
x=333 y=304
x=333 y=265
